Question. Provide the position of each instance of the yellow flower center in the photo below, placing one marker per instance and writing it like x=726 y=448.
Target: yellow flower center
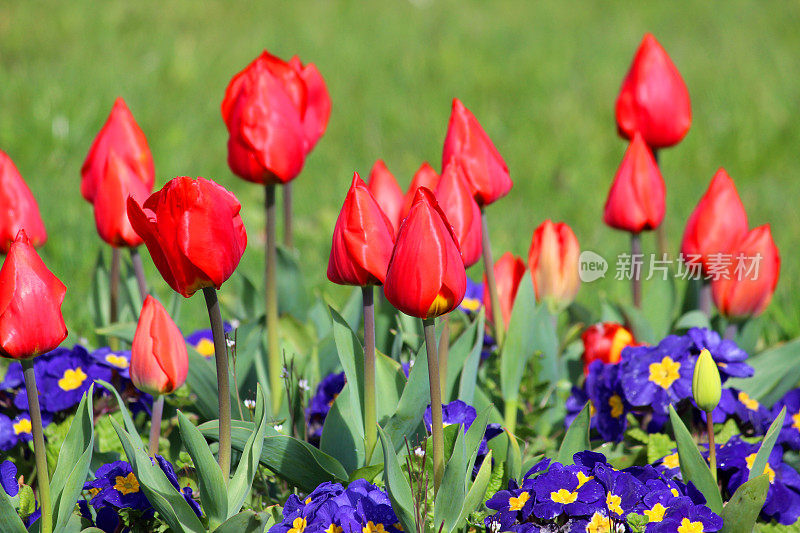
x=665 y=373
x=599 y=524
x=516 y=503
x=748 y=401
x=298 y=525
x=671 y=461
x=439 y=306
x=371 y=527
x=582 y=479
x=687 y=526
x=308 y=500
x=205 y=347
x=471 y=304
x=118 y=361
x=333 y=528
x=614 y=503
x=615 y=402
x=563 y=496
x=656 y=514
x=127 y=485
x=592 y=409
x=750 y=459
x=675 y=492
x=72 y=379
x=622 y=338
x=22 y=426
x=94 y=492
x=796 y=421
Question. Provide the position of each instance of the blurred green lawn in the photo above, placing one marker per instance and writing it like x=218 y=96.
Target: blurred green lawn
x=541 y=77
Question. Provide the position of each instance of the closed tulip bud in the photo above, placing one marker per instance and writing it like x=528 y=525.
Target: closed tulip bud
x=363 y=240
x=461 y=210
x=508 y=271
x=483 y=165
x=159 y=360
x=121 y=134
x=747 y=278
x=193 y=231
x=110 y=203
x=604 y=342
x=426 y=276
x=18 y=208
x=653 y=100
x=636 y=199
x=553 y=260
x=275 y=112
x=706 y=383
x=30 y=304
x=717 y=223
x=384 y=188
x=426 y=177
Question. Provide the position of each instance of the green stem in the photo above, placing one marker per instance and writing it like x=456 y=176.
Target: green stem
x=223 y=385
x=510 y=415
x=731 y=330
x=661 y=230
x=155 y=424
x=271 y=301
x=488 y=268
x=43 y=477
x=288 y=233
x=437 y=426
x=138 y=269
x=636 y=274
x=370 y=416
x=113 y=293
x=712 y=451
x=444 y=349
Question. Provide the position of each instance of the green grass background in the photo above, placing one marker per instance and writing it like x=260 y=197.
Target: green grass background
x=541 y=77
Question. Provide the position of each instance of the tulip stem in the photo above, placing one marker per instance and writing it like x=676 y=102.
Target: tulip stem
x=155 y=424
x=113 y=296
x=705 y=298
x=437 y=427
x=271 y=302
x=43 y=477
x=138 y=269
x=370 y=412
x=731 y=331
x=488 y=267
x=444 y=349
x=636 y=274
x=712 y=451
x=661 y=231
x=288 y=233
x=223 y=385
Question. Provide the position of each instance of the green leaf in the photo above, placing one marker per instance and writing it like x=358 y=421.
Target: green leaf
x=469 y=372
x=397 y=485
x=520 y=343
x=452 y=491
x=514 y=457
x=693 y=466
x=120 y=330
x=413 y=402
x=762 y=457
x=458 y=353
x=776 y=372
x=472 y=441
x=693 y=319
x=741 y=512
x=659 y=445
x=577 y=437
x=242 y=481
x=130 y=427
x=367 y=473
x=244 y=522
x=10 y=522
x=476 y=492
x=343 y=433
x=292 y=295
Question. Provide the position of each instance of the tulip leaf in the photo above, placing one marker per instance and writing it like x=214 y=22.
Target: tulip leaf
x=458 y=353
x=10 y=522
x=351 y=355
x=202 y=381
x=469 y=372
x=741 y=512
x=292 y=295
x=244 y=522
x=452 y=491
x=130 y=427
x=242 y=481
x=693 y=467
x=776 y=372
x=473 y=437
x=209 y=475
x=413 y=402
x=762 y=457
x=100 y=293
x=343 y=432
x=513 y=457
x=577 y=437
x=475 y=495
x=397 y=485
x=121 y=330
x=521 y=339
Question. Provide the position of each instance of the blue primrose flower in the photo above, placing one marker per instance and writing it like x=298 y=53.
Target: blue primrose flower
x=8 y=478
x=202 y=340
x=119 y=361
x=685 y=517
x=473 y=298
x=754 y=418
x=19 y=429
x=726 y=353
x=319 y=405
x=790 y=432
x=566 y=489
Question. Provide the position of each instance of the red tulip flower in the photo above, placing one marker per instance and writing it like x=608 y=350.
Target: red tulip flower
x=553 y=260
x=745 y=284
x=653 y=99
x=426 y=177
x=508 y=271
x=604 y=342
x=363 y=240
x=717 y=223
x=384 y=188
x=426 y=276
x=121 y=134
x=110 y=201
x=275 y=112
x=159 y=360
x=636 y=199
x=30 y=304
x=193 y=231
x=18 y=208
x=483 y=165
x=461 y=210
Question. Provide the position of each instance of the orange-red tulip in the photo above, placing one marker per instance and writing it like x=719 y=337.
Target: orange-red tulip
x=508 y=271
x=110 y=203
x=461 y=210
x=426 y=276
x=18 y=208
x=426 y=177
x=605 y=342
x=159 y=360
x=30 y=304
x=363 y=240
x=384 y=188
x=553 y=260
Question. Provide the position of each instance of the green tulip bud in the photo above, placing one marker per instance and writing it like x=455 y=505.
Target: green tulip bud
x=27 y=502
x=706 y=384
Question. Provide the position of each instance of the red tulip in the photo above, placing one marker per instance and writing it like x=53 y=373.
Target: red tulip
x=387 y=192
x=30 y=304
x=747 y=281
x=275 y=112
x=483 y=165
x=426 y=276
x=363 y=240
x=605 y=342
x=18 y=208
x=159 y=360
x=553 y=260
x=717 y=223
x=110 y=211
x=193 y=231
x=654 y=99
x=461 y=210
x=426 y=177
x=636 y=199
x=508 y=271
x=121 y=134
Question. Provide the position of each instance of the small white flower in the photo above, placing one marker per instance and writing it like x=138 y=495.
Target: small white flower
x=494 y=527
x=278 y=427
x=234 y=324
x=303 y=384
x=250 y=404
x=411 y=364
x=231 y=343
x=419 y=452
x=284 y=372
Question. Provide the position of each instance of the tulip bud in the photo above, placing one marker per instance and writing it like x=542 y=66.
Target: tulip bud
x=717 y=223
x=653 y=100
x=508 y=272
x=363 y=240
x=384 y=188
x=30 y=304
x=122 y=134
x=605 y=342
x=483 y=165
x=18 y=208
x=636 y=199
x=747 y=277
x=461 y=210
x=706 y=383
x=159 y=360
x=426 y=276
x=426 y=177
x=193 y=231
x=553 y=260
x=111 y=196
